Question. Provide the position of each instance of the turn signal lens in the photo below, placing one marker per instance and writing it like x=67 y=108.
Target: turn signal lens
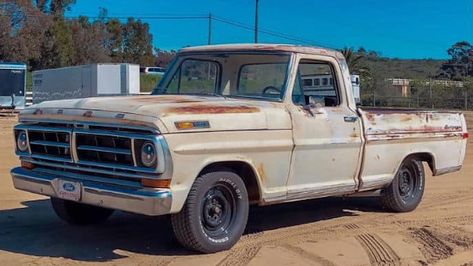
x=156 y=183
x=466 y=135
x=183 y=125
x=27 y=165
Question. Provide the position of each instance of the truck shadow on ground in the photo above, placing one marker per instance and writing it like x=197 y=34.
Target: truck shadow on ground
x=35 y=230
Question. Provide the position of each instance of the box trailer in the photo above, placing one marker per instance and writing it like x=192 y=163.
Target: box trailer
x=12 y=85
x=85 y=81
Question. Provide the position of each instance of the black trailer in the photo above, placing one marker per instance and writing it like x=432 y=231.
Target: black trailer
x=12 y=85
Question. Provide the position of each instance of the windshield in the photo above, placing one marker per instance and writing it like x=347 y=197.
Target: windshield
x=257 y=75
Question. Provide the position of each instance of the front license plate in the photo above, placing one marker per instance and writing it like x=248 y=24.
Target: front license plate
x=69 y=190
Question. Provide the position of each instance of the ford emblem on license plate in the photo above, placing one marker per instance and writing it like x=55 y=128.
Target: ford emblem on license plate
x=69 y=190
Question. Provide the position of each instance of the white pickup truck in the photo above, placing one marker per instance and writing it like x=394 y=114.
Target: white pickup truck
x=230 y=126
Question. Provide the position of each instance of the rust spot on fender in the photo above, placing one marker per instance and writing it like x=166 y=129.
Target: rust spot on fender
x=406 y=118
x=87 y=114
x=261 y=173
x=213 y=109
x=354 y=135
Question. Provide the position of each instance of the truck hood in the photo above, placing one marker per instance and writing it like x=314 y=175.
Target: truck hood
x=164 y=111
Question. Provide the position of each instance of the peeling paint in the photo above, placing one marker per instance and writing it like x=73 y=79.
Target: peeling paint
x=212 y=109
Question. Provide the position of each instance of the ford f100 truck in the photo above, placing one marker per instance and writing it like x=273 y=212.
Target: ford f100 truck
x=229 y=126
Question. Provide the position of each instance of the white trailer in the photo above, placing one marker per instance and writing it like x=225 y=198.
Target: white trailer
x=12 y=85
x=85 y=81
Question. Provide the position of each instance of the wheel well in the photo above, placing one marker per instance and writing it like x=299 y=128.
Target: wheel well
x=245 y=171
x=424 y=157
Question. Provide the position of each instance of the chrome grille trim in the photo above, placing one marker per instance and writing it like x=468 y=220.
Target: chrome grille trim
x=104 y=149
x=76 y=167
x=51 y=144
x=73 y=161
x=118 y=182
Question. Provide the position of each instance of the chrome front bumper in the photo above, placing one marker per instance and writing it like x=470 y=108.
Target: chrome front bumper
x=139 y=200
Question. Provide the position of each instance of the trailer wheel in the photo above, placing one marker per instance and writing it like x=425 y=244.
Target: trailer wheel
x=78 y=213
x=406 y=190
x=215 y=213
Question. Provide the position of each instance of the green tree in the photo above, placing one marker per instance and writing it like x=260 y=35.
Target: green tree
x=163 y=58
x=114 y=42
x=460 y=64
x=57 y=49
x=137 y=43
x=88 y=40
x=354 y=60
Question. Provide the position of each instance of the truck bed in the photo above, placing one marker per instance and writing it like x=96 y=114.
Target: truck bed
x=392 y=134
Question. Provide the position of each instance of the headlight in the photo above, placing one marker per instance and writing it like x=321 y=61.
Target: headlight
x=148 y=154
x=22 y=142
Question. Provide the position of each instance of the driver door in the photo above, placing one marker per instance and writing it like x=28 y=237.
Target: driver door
x=326 y=132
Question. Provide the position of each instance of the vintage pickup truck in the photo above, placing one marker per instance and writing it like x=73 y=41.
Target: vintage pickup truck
x=229 y=126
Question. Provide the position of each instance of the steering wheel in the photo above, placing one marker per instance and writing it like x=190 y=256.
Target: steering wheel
x=270 y=90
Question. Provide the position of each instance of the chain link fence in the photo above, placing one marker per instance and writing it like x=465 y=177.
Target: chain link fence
x=423 y=94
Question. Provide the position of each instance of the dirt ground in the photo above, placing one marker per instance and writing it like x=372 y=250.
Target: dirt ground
x=351 y=231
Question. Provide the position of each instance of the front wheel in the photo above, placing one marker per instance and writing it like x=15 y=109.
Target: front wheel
x=405 y=192
x=215 y=213
x=78 y=213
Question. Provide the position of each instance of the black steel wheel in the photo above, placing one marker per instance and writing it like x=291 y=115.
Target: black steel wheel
x=407 y=188
x=215 y=213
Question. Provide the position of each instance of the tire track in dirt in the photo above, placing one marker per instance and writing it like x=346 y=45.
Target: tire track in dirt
x=240 y=256
x=465 y=219
x=310 y=256
x=379 y=252
x=248 y=247
x=455 y=235
x=431 y=246
x=447 y=199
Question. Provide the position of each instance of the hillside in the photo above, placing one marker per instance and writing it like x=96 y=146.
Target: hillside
x=382 y=68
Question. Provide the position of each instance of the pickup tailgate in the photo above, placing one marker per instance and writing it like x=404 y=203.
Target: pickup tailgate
x=393 y=134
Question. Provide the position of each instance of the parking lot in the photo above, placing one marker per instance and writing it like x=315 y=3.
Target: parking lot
x=349 y=231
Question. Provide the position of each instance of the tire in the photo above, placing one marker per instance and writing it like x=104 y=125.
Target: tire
x=407 y=188
x=79 y=214
x=215 y=213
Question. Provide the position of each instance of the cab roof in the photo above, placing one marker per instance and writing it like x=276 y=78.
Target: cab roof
x=246 y=47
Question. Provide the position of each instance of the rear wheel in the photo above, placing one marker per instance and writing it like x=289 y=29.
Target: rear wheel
x=405 y=192
x=215 y=213
x=78 y=213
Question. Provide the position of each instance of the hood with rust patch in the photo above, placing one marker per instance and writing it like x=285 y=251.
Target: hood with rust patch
x=221 y=113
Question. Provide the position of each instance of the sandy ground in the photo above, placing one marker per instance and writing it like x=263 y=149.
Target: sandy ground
x=352 y=231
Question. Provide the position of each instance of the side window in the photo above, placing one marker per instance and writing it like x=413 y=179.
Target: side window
x=324 y=91
x=194 y=76
x=262 y=80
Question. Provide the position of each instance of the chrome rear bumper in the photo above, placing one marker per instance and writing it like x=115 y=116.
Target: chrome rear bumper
x=139 y=200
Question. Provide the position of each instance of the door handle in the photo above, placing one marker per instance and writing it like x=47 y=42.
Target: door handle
x=350 y=119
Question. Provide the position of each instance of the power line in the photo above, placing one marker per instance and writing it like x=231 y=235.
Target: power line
x=210 y=18
x=268 y=32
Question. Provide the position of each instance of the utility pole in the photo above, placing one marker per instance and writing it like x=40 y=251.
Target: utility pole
x=256 y=21
x=209 y=38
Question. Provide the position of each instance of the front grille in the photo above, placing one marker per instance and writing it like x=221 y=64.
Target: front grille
x=50 y=142
x=108 y=150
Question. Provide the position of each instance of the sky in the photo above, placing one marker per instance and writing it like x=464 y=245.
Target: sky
x=401 y=28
